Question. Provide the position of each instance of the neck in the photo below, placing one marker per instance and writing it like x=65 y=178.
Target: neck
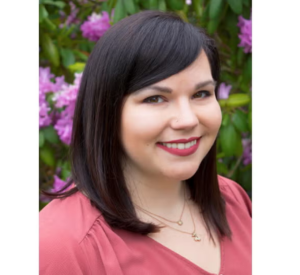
x=159 y=195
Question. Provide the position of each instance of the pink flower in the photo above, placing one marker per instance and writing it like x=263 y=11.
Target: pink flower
x=247 y=153
x=224 y=90
x=58 y=184
x=64 y=124
x=95 y=26
x=66 y=97
x=67 y=93
x=45 y=76
x=44 y=119
x=46 y=86
x=246 y=33
x=71 y=19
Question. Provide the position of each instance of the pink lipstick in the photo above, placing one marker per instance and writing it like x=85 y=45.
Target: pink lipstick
x=181 y=152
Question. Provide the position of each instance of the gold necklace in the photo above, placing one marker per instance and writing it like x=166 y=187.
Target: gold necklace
x=179 y=222
x=194 y=235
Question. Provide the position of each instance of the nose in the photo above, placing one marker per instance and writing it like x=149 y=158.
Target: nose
x=184 y=117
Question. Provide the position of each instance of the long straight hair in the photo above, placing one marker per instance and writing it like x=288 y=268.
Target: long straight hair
x=138 y=51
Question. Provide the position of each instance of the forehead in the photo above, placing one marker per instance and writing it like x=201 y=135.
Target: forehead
x=198 y=71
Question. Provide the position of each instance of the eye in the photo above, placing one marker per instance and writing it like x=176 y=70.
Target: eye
x=202 y=94
x=153 y=99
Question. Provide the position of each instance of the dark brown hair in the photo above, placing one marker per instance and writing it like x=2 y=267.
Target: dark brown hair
x=138 y=51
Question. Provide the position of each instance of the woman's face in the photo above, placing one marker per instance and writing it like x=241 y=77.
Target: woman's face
x=159 y=121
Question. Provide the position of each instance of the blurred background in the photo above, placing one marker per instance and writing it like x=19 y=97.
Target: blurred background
x=68 y=31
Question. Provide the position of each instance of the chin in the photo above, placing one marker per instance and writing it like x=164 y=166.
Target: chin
x=181 y=174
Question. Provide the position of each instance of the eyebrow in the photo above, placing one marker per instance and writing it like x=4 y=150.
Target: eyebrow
x=169 y=91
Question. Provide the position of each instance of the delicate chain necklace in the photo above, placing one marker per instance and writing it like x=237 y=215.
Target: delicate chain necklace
x=193 y=234
x=179 y=222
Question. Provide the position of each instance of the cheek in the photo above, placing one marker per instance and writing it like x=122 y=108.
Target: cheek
x=138 y=128
x=211 y=117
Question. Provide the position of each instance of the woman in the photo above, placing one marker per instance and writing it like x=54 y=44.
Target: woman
x=146 y=197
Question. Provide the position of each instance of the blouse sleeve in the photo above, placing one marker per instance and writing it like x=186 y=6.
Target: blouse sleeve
x=60 y=254
x=238 y=193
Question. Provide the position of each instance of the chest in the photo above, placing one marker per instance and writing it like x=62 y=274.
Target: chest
x=204 y=253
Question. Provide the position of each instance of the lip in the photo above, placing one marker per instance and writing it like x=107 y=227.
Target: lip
x=181 y=140
x=181 y=152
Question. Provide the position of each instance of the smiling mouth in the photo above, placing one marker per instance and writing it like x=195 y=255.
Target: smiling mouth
x=179 y=145
x=180 y=148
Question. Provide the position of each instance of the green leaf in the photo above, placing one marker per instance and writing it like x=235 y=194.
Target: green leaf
x=175 y=4
x=80 y=55
x=162 y=5
x=68 y=57
x=235 y=100
x=220 y=155
x=47 y=156
x=236 y=6
x=51 y=135
x=42 y=13
x=65 y=173
x=58 y=4
x=197 y=7
x=240 y=121
x=246 y=3
x=111 y=4
x=215 y=8
x=239 y=146
x=153 y=4
x=77 y=67
x=120 y=11
x=247 y=70
x=50 y=50
x=250 y=120
x=182 y=15
x=228 y=140
x=222 y=168
x=240 y=56
x=104 y=7
x=225 y=119
x=130 y=6
x=48 y=24
x=41 y=139
x=145 y=4
x=212 y=25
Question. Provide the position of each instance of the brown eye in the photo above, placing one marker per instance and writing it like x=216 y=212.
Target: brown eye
x=153 y=99
x=202 y=94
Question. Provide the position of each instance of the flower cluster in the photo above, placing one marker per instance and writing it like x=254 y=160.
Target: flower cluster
x=188 y=2
x=95 y=26
x=72 y=17
x=223 y=91
x=245 y=33
x=247 y=153
x=46 y=85
x=58 y=184
x=66 y=98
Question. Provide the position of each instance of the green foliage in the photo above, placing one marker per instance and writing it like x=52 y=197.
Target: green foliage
x=65 y=51
x=236 y=5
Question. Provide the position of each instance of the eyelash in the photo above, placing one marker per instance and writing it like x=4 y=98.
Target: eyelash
x=207 y=94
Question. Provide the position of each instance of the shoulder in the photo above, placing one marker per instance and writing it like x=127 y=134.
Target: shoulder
x=64 y=223
x=234 y=194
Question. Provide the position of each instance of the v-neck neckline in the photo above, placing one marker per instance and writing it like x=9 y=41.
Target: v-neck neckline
x=203 y=271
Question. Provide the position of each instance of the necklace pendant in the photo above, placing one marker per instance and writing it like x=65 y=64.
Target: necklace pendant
x=196 y=238
x=180 y=222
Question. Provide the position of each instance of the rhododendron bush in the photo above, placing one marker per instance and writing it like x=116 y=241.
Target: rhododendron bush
x=68 y=33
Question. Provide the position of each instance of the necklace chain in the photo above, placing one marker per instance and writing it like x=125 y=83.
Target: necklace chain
x=179 y=222
x=193 y=234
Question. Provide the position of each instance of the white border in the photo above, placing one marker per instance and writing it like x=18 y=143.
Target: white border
x=19 y=137
x=276 y=139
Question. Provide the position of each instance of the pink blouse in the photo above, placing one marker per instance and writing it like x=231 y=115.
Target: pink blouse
x=75 y=239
